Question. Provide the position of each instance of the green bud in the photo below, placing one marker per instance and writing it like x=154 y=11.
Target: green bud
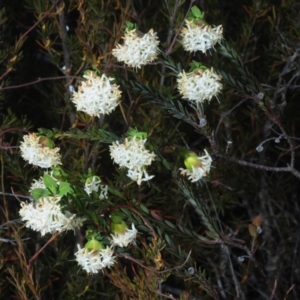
x=116 y=217
x=118 y=228
x=59 y=174
x=87 y=73
x=130 y=26
x=195 y=14
x=94 y=245
x=197 y=67
x=90 y=179
x=192 y=160
x=139 y=135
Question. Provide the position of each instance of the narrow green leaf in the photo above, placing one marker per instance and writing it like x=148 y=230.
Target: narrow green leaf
x=116 y=192
x=170 y=224
x=144 y=209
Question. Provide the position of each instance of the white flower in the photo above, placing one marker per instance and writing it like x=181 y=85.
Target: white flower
x=94 y=260
x=123 y=240
x=37 y=184
x=197 y=172
x=46 y=216
x=136 y=50
x=133 y=155
x=199 y=85
x=37 y=154
x=139 y=175
x=92 y=185
x=200 y=37
x=107 y=257
x=104 y=192
x=97 y=95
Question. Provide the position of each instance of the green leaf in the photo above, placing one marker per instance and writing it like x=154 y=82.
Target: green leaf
x=64 y=189
x=252 y=230
x=197 y=12
x=39 y=193
x=170 y=224
x=116 y=217
x=144 y=209
x=134 y=132
x=116 y=193
x=50 y=184
x=130 y=26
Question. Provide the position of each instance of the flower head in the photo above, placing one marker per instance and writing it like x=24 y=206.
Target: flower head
x=197 y=167
x=199 y=85
x=92 y=184
x=94 y=260
x=137 y=50
x=124 y=238
x=133 y=155
x=36 y=153
x=97 y=95
x=47 y=215
x=200 y=36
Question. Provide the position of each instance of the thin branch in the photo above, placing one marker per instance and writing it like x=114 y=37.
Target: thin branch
x=40 y=250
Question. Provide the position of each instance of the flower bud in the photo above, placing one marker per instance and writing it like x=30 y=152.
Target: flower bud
x=94 y=245
x=118 y=228
x=192 y=160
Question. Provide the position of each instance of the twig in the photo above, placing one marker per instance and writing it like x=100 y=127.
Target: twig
x=181 y=25
x=261 y=167
x=153 y=269
x=36 y=81
x=40 y=250
x=274 y=289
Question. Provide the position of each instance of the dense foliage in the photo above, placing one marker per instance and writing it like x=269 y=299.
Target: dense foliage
x=233 y=234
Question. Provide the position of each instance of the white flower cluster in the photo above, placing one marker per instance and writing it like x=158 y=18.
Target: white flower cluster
x=46 y=215
x=123 y=240
x=133 y=155
x=198 y=172
x=93 y=185
x=200 y=37
x=97 y=95
x=37 y=154
x=199 y=85
x=94 y=260
x=136 y=50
